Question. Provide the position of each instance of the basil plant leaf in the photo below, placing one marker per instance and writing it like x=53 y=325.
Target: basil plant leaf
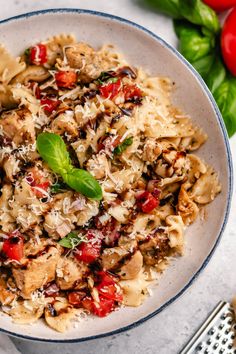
x=84 y=183
x=193 y=44
x=216 y=74
x=204 y=65
x=123 y=146
x=52 y=149
x=168 y=7
x=198 y=13
x=225 y=97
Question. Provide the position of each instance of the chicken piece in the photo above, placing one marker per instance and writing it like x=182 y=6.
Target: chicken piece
x=11 y=167
x=18 y=126
x=151 y=150
x=113 y=258
x=82 y=56
x=68 y=272
x=131 y=269
x=56 y=225
x=65 y=123
x=155 y=249
x=6 y=296
x=59 y=315
x=98 y=165
x=90 y=209
x=38 y=272
x=35 y=246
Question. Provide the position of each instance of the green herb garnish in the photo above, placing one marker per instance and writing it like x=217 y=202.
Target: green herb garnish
x=123 y=146
x=58 y=187
x=52 y=149
x=106 y=77
x=72 y=240
x=27 y=52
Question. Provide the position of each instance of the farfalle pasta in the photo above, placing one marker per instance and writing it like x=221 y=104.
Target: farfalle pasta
x=71 y=244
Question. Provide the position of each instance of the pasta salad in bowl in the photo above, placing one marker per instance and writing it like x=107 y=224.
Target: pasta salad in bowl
x=100 y=178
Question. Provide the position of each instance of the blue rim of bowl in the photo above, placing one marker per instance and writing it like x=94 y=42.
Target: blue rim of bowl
x=230 y=169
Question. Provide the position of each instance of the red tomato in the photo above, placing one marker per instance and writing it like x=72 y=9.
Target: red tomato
x=132 y=92
x=35 y=88
x=108 y=143
x=49 y=105
x=38 y=54
x=111 y=89
x=88 y=252
x=66 y=79
x=108 y=287
x=146 y=201
x=44 y=186
x=228 y=42
x=220 y=5
x=13 y=246
x=101 y=309
x=75 y=298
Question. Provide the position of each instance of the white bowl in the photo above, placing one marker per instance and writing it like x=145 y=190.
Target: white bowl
x=142 y=48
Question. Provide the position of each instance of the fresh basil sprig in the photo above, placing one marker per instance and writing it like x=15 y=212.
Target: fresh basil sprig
x=72 y=240
x=123 y=146
x=52 y=149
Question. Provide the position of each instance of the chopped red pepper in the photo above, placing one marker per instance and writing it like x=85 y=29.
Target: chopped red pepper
x=66 y=79
x=101 y=308
x=110 y=90
x=108 y=287
x=38 y=54
x=146 y=201
x=132 y=92
x=49 y=105
x=13 y=246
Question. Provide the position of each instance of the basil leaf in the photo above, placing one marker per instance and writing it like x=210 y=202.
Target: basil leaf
x=193 y=44
x=83 y=182
x=58 y=187
x=216 y=74
x=198 y=13
x=225 y=97
x=72 y=240
x=123 y=146
x=168 y=7
x=52 y=149
x=27 y=52
x=203 y=65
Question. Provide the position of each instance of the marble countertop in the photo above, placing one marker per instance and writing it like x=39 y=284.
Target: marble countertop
x=169 y=331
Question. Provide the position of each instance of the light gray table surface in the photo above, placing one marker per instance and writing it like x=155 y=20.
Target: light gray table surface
x=168 y=331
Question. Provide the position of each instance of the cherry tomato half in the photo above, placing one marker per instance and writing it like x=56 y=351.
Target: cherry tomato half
x=108 y=287
x=110 y=90
x=38 y=54
x=66 y=79
x=220 y=5
x=49 y=105
x=146 y=201
x=101 y=309
x=228 y=42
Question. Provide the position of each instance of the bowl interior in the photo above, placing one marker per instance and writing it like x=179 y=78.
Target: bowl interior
x=141 y=49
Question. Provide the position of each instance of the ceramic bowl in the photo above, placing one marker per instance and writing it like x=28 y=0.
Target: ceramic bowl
x=145 y=49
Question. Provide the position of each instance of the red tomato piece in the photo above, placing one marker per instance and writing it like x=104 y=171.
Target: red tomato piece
x=66 y=79
x=146 y=201
x=101 y=309
x=38 y=54
x=44 y=186
x=108 y=143
x=108 y=287
x=111 y=89
x=132 y=92
x=49 y=105
x=220 y=5
x=88 y=252
x=13 y=246
x=75 y=298
x=228 y=42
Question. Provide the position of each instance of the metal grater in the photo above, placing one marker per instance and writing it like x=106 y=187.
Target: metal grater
x=216 y=335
